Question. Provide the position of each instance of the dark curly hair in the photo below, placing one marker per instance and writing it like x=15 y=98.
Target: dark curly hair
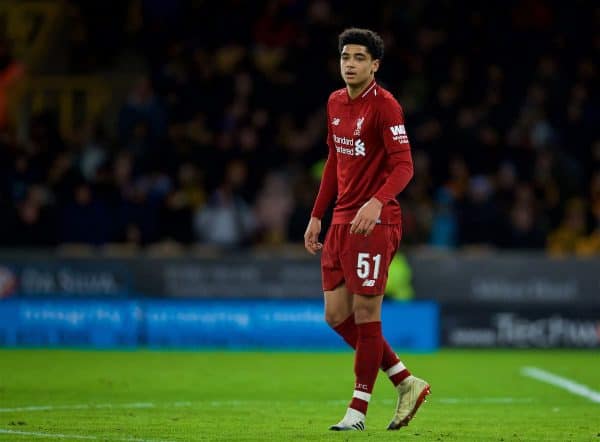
x=365 y=37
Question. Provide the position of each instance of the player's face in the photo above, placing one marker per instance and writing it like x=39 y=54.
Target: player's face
x=357 y=65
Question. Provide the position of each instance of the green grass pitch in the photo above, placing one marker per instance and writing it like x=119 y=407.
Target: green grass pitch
x=50 y=395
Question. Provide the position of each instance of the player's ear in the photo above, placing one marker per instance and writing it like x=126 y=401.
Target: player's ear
x=375 y=66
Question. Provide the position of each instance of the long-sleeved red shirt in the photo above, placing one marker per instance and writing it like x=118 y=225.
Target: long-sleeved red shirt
x=369 y=155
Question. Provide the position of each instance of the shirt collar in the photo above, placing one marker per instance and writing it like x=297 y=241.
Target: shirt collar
x=363 y=94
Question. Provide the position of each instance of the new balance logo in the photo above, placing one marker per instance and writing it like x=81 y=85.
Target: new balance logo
x=368 y=283
x=359 y=148
x=335 y=122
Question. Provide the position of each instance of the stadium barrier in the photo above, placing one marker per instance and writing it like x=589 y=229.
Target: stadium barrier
x=512 y=300
x=517 y=327
x=492 y=300
x=231 y=324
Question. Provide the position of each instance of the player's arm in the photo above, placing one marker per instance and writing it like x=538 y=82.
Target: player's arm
x=397 y=147
x=400 y=160
x=327 y=192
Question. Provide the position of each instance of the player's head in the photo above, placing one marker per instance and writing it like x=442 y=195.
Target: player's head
x=361 y=51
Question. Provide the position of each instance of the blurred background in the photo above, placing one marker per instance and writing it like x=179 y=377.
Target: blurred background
x=173 y=149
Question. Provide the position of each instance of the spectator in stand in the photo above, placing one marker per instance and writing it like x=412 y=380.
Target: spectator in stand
x=571 y=231
x=226 y=220
x=142 y=120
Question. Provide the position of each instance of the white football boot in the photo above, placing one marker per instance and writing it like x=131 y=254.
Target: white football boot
x=412 y=392
x=353 y=420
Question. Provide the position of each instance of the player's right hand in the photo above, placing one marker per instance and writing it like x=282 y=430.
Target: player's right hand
x=311 y=236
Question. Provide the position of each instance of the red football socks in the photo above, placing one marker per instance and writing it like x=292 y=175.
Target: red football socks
x=390 y=363
x=369 y=350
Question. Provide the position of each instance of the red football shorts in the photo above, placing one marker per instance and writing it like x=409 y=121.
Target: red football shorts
x=359 y=261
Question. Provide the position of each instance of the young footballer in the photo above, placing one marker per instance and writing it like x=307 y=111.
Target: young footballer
x=368 y=165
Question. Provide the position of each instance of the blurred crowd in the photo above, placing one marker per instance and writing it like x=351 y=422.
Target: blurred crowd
x=222 y=141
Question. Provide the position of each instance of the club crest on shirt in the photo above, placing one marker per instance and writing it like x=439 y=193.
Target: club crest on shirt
x=359 y=124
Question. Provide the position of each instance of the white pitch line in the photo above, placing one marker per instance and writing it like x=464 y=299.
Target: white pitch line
x=72 y=436
x=80 y=407
x=561 y=382
x=485 y=400
x=50 y=435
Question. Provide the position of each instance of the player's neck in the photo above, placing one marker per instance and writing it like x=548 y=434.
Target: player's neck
x=355 y=90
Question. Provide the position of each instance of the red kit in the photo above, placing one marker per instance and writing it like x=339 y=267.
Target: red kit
x=369 y=156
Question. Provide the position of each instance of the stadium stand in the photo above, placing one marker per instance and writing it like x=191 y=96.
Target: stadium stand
x=188 y=117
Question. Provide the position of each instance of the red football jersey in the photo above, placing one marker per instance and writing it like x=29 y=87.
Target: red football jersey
x=369 y=155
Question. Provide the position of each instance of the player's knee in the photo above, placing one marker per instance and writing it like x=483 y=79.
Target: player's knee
x=365 y=313
x=335 y=318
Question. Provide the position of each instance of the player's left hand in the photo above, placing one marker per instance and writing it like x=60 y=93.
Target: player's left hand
x=366 y=218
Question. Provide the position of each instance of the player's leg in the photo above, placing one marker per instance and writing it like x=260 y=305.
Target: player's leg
x=361 y=260
x=391 y=364
x=412 y=391
x=338 y=299
x=366 y=269
x=367 y=359
x=361 y=265
x=369 y=348
x=338 y=309
x=340 y=317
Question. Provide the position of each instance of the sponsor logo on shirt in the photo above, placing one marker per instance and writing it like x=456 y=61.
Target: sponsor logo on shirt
x=355 y=148
x=399 y=133
x=335 y=122
x=359 y=148
x=343 y=140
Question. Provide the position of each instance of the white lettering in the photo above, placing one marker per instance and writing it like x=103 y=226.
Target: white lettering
x=398 y=129
x=399 y=133
x=358 y=386
x=344 y=150
x=343 y=140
